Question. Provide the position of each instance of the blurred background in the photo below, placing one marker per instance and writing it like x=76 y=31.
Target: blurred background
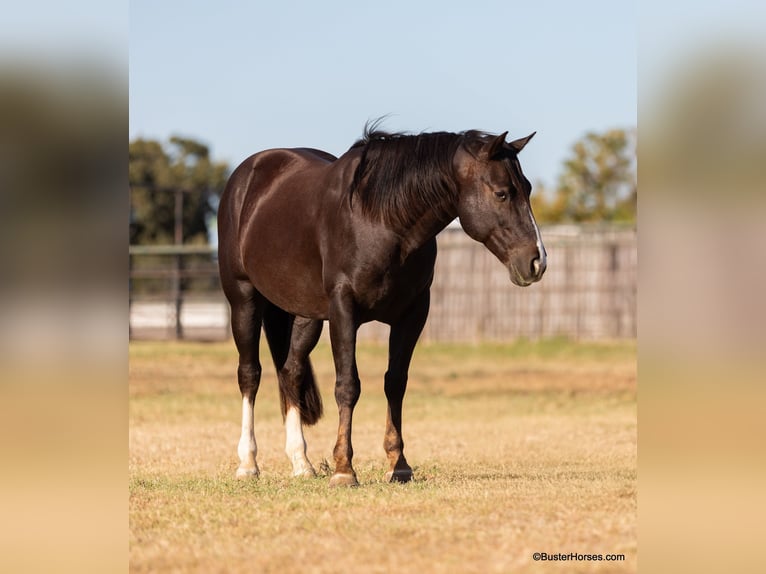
x=702 y=246
x=63 y=286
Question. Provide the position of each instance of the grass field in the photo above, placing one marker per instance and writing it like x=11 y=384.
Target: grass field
x=519 y=448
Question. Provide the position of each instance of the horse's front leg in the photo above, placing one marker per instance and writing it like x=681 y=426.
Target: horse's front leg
x=401 y=344
x=343 y=327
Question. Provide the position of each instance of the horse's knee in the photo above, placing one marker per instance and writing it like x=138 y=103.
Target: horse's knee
x=347 y=391
x=249 y=377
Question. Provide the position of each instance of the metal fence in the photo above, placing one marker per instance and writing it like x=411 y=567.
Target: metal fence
x=588 y=291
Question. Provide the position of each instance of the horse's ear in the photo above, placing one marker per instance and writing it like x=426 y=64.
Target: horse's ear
x=495 y=147
x=518 y=145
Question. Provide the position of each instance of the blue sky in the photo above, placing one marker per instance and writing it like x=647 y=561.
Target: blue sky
x=245 y=76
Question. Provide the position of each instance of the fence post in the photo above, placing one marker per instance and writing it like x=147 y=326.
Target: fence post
x=179 y=239
x=177 y=295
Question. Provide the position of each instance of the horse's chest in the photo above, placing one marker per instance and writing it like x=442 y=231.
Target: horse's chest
x=384 y=293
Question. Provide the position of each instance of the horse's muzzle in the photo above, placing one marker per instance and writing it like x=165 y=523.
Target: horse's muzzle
x=533 y=272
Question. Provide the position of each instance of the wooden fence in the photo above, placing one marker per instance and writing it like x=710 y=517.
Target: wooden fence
x=588 y=291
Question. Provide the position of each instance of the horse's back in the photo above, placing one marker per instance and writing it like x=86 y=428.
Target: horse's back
x=262 y=170
x=254 y=178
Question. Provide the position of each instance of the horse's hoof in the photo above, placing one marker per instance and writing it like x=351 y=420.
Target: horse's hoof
x=245 y=473
x=343 y=479
x=401 y=475
x=305 y=473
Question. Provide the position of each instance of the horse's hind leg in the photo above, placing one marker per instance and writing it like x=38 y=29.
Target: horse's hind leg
x=299 y=394
x=246 y=317
x=404 y=336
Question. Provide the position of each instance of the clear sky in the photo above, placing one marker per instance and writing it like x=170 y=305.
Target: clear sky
x=245 y=76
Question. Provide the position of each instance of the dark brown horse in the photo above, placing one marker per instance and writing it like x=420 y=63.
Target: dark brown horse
x=306 y=237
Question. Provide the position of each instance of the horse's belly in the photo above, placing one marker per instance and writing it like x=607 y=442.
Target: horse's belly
x=293 y=288
x=285 y=266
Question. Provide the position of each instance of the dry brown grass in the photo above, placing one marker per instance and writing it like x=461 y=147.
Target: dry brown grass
x=516 y=449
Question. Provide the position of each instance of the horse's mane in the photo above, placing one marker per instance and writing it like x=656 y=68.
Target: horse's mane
x=400 y=176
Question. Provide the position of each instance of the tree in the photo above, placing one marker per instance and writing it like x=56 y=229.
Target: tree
x=156 y=174
x=598 y=181
x=543 y=201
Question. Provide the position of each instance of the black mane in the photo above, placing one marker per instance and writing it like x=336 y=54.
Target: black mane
x=400 y=176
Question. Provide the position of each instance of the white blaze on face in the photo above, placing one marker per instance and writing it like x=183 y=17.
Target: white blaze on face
x=540 y=247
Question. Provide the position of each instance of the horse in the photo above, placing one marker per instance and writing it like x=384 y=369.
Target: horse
x=305 y=236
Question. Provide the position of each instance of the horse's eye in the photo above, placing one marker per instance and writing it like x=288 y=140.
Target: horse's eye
x=501 y=195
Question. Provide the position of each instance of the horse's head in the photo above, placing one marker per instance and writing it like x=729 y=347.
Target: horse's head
x=494 y=206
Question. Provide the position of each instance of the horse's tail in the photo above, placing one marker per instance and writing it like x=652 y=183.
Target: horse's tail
x=278 y=325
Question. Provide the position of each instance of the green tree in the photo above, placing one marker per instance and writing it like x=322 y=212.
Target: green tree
x=156 y=173
x=598 y=181
x=543 y=201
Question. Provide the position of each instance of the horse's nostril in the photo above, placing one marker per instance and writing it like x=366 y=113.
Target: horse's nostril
x=536 y=266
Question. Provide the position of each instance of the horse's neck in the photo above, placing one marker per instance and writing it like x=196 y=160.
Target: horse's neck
x=425 y=228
